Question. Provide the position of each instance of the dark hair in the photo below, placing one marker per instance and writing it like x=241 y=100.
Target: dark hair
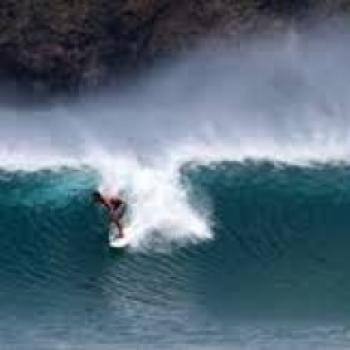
x=96 y=195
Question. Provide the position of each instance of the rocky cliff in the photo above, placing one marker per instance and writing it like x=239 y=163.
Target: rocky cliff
x=57 y=45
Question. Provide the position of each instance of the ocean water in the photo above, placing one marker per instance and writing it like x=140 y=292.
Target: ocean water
x=236 y=171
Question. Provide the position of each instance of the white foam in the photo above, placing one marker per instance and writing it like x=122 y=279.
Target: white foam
x=159 y=205
x=285 y=101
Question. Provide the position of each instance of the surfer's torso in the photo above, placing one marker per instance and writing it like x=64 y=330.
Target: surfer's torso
x=117 y=207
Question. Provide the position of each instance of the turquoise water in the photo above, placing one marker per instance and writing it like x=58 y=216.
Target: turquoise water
x=235 y=166
x=275 y=273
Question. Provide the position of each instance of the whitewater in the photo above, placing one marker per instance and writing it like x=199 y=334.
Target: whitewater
x=234 y=163
x=271 y=101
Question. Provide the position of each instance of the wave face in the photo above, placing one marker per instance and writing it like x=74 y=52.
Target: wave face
x=236 y=170
x=280 y=254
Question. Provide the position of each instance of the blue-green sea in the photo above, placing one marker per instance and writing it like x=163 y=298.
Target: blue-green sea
x=235 y=166
x=275 y=273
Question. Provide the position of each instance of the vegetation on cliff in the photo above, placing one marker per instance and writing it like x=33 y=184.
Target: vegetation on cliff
x=65 y=44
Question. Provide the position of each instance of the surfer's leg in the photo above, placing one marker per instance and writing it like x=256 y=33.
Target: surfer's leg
x=120 y=228
x=116 y=217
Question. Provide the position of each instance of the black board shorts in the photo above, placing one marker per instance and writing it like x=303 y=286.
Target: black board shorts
x=119 y=212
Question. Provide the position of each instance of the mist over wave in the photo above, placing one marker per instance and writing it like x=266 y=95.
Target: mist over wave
x=285 y=100
x=238 y=158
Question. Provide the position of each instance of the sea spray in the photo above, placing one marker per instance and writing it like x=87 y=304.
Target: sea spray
x=158 y=208
x=257 y=138
x=284 y=101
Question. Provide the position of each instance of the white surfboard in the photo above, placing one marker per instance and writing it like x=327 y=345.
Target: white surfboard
x=115 y=241
x=119 y=243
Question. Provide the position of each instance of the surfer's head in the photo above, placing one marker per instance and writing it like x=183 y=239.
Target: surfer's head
x=97 y=197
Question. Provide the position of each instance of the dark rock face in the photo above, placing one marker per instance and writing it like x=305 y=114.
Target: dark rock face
x=53 y=45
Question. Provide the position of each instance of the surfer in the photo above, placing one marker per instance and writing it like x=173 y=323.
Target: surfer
x=116 y=207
